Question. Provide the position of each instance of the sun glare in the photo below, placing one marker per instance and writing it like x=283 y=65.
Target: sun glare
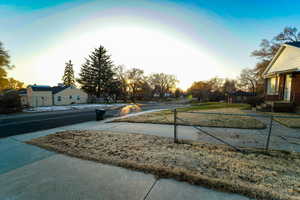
x=146 y=48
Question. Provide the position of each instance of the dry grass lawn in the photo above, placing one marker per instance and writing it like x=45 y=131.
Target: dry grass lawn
x=262 y=176
x=289 y=122
x=209 y=120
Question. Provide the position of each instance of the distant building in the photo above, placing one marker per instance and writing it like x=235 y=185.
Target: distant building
x=239 y=96
x=23 y=96
x=68 y=95
x=43 y=95
x=39 y=95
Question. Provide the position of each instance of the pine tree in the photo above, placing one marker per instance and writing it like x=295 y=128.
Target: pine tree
x=97 y=75
x=4 y=58
x=68 y=77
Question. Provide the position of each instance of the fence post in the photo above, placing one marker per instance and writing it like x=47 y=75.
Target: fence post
x=175 y=126
x=269 y=134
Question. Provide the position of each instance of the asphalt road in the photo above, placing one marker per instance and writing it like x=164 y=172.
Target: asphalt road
x=26 y=123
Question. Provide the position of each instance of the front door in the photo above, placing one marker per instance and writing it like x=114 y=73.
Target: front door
x=287 y=87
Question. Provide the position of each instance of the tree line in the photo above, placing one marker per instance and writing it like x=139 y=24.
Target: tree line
x=251 y=78
x=10 y=101
x=7 y=83
x=99 y=77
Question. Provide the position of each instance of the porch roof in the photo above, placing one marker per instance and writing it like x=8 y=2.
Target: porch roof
x=286 y=60
x=281 y=72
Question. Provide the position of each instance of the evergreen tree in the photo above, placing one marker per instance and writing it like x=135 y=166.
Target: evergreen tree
x=4 y=58
x=97 y=75
x=68 y=77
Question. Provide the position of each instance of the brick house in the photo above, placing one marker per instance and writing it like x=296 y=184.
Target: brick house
x=282 y=77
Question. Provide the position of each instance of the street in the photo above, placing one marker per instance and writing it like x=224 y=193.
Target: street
x=41 y=121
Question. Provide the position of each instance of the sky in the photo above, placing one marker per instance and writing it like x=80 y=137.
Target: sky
x=193 y=40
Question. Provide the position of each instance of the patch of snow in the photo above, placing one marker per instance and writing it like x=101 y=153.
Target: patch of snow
x=134 y=114
x=73 y=107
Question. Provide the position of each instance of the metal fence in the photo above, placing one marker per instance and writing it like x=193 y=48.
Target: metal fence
x=239 y=130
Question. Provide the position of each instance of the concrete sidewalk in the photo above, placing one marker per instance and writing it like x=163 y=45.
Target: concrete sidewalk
x=62 y=177
x=32 y=173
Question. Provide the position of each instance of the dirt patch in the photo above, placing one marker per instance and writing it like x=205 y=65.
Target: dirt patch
x=257 y=175
x=199 y=118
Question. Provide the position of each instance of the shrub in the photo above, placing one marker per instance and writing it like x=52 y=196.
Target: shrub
x=10 y=102
x=254 y=100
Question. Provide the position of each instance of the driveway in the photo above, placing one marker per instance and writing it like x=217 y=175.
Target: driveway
x=33 y=173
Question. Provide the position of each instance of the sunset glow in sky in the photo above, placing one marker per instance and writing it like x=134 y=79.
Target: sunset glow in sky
x=194 y=40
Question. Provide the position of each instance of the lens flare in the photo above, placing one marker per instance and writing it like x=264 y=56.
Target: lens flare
x=130 y=108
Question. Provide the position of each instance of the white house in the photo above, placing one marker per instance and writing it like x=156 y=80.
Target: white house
x=282 y=76
x=41 y=95
x=68 y=95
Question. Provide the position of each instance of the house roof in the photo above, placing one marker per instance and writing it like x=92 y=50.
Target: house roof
x=58 y=89
x=41 y=88
x=286 y=60
x=294 y=44
x=241 y=93
x=22 y=91
x=54 y=90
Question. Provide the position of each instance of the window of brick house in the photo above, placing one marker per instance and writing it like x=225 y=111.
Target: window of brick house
x=272 y=85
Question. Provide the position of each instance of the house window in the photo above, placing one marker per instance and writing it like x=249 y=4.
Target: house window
x=59 y=98
x=272 y=84
x=70 y=97
x=78 y=98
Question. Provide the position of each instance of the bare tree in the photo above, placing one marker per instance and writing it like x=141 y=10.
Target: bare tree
x=215 y=84
x=200 y=90
x=268 y=48
x=210 y=90
x=14 y=84
x=248 y=79
x=229 y=85
x=163 y=83
x=178 y=92
x=122 y=78
x=135 y=79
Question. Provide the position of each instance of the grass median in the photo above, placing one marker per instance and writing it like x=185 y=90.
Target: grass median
x=262 y=176
x=200 y=117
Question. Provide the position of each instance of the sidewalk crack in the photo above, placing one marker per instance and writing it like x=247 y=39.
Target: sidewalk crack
x=152 y=186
